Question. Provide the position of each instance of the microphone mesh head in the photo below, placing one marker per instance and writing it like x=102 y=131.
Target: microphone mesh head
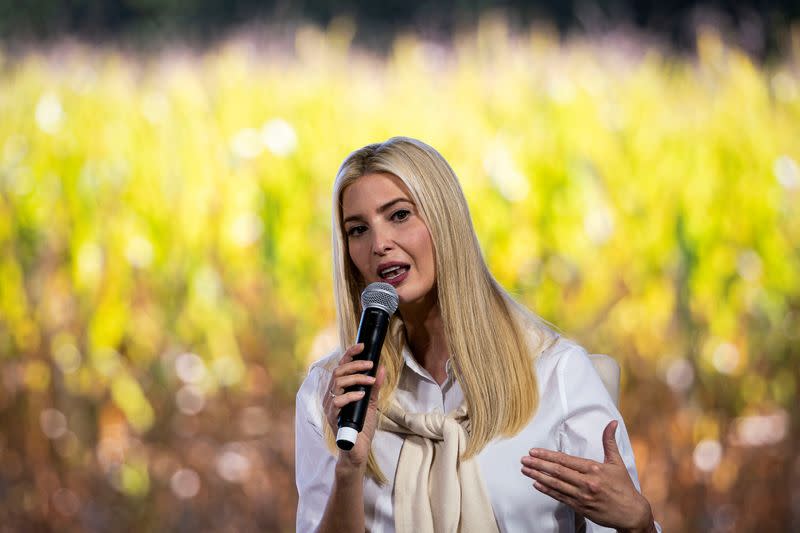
x=380 y=295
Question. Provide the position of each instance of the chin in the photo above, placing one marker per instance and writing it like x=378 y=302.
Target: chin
x=408 y=295
x=404 y=296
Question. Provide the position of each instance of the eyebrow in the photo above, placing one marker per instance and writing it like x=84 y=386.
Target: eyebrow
x=381 y=209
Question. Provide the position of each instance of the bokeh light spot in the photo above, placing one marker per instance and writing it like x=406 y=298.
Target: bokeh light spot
x=598 y=223
x=246 y=229
x=707 y=455
x=67 y=356
x=748 y=264
x=726 y=358
x=185 y=483
x=53 y=423
x=246 y=143
x=190 y=399
x=279 y=137
x=49 y=113
x=232 y=465
x=761 y=430
x=139 y=251
x=190 y=368
x=680 y=375
x=787 y=172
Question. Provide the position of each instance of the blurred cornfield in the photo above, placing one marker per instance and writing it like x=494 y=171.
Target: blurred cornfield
x=165 y=263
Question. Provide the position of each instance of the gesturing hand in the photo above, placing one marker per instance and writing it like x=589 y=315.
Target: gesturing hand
x=602 y=492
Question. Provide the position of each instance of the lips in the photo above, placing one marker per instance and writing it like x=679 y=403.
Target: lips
x=393 y=272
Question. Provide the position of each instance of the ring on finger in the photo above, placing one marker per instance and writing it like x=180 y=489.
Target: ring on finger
x=332 y=393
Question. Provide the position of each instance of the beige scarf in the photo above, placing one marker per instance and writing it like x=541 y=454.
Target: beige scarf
x=434 y=490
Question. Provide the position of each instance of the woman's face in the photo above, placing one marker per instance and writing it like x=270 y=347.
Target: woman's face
x=386 y=238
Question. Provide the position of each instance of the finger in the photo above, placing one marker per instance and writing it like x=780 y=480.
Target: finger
x=348 y=397
x=576 y=463
x=610 y=449
x=353 y=379
x=557 y=495
x=350 y=353
x=553 y=482
x=352 y=367
x=555 y=470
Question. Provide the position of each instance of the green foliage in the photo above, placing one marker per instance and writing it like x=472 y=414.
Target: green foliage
x=155 y=208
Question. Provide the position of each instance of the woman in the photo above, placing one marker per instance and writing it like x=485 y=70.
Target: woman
x=475 y=400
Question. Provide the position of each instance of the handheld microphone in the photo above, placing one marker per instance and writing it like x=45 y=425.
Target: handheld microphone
x=379 y=302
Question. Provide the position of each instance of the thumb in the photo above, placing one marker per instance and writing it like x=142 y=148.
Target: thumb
x=380 y=377
x=612 y=454
x=371 y=421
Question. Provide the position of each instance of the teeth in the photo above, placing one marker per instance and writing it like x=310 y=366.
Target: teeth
x=388 y=270
x=392 y=272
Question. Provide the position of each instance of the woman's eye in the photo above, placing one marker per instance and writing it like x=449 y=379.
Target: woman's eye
x=356 y=231
x=401 y=214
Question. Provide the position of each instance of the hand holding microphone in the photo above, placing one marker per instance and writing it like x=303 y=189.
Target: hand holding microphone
x=352 y=381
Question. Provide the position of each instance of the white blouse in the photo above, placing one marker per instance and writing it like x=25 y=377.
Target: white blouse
x=574 y=408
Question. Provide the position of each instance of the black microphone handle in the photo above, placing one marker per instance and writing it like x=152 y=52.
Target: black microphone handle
x=372 y=332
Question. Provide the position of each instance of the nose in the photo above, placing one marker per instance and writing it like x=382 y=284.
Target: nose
x=382 y=241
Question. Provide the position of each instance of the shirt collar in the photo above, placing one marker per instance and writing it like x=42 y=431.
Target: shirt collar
x=415 y=367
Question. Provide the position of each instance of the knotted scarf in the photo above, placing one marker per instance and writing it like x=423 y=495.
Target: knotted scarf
x=435 y=491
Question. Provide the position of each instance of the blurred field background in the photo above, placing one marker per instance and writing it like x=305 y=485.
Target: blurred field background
x=165 y=253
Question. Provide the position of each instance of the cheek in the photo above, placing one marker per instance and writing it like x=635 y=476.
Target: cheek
x=357 y=256
x=424 y=248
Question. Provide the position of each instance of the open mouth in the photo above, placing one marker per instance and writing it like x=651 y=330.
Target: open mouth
x=393 y=272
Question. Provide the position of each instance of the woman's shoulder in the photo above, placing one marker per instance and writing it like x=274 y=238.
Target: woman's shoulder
x=560 y=348
x=561 y=354
x=547 y=345
x=568 y=368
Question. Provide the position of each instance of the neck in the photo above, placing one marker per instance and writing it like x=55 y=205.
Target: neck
x=425 y=333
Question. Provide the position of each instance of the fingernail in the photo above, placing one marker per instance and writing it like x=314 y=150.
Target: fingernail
x=534 y=452
x=361 y=393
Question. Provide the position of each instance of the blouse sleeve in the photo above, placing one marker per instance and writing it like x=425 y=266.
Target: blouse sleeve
x=588 y=408
x=314 y=462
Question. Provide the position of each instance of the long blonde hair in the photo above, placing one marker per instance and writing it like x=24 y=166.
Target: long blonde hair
x=492 y=339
